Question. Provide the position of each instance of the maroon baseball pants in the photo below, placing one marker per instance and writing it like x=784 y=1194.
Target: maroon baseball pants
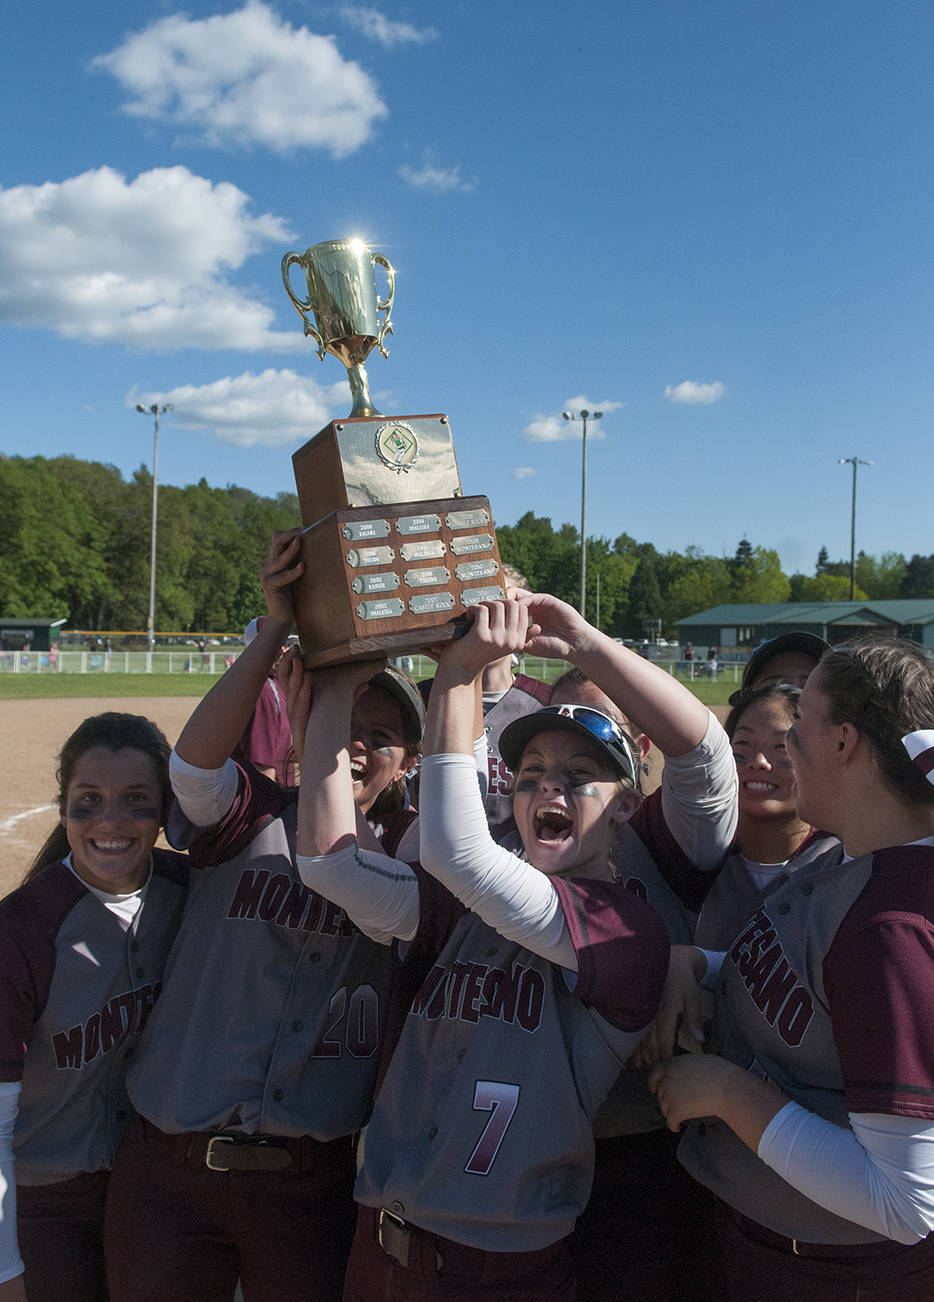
x=176 y=1229
x=60 y=1239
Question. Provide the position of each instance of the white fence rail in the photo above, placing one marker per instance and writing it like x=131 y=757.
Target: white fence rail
x=186 y=660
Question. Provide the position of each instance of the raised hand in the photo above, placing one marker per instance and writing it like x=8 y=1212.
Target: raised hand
x=280 y=570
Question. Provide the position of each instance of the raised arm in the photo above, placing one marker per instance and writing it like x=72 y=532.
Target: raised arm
x=655 y=702
x=217 y=723
x=336 y=854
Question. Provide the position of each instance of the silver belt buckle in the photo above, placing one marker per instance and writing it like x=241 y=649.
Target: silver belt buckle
x=394 y=1236
x=216 y=1164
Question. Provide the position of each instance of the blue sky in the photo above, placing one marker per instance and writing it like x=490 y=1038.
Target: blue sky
x=711 y=221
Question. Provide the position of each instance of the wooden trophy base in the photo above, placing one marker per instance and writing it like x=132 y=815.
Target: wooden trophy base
x=394 y=577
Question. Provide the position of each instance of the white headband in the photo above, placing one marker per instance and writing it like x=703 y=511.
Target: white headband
x=920 y=747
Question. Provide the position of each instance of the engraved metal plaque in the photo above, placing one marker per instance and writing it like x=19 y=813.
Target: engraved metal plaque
x=429 y=550
x=470 y=596
x=470 y=542
x=430 y=601
x=476 y=570
x=418 y=524
x=354 y=530
x=391 y=608
x=376 y=582
x=426 y=577
x=370 y=556
x=467 y=519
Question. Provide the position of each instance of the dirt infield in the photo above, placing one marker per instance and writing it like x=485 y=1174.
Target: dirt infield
x=31 y=735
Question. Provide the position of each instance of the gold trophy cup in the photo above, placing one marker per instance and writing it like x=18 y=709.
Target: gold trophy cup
x=394 y=553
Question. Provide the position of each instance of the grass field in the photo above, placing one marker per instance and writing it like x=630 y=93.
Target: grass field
x=65 y=686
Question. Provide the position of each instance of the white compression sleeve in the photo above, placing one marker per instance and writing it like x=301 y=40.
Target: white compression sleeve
x=880 y=1174
x=699 y=798
x=380 y=894
x=205 y=795
x=509 y=894
x=11 y=1263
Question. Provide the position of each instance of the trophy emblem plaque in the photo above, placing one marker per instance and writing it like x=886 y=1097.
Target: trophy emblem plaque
x=394 y=552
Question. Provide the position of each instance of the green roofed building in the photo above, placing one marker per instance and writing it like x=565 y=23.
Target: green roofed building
x=742 y=627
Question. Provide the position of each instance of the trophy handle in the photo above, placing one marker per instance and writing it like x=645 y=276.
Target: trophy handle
x=384 y=304
x=303 y=305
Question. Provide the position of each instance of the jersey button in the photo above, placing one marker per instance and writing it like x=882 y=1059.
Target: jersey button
x=297 y=1025
x=432 y=1132
x=784 y=908
x=140 y=971
x=134 y=947
x=397 y=1207
x=314 y=958
x=807 y=888
x=278 y=1095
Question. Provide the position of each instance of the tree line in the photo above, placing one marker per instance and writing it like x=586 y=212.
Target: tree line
x=75 y=542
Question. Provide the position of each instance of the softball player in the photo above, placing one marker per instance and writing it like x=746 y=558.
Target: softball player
x=668 y=854
x=535 y=977
x=818 y=1124
x=259 y=1067
x=771 y=840
x=82 y=946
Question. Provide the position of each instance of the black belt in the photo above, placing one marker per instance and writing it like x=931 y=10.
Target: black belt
x=237 y=1151
x=802 y=1248
x=396 y=1237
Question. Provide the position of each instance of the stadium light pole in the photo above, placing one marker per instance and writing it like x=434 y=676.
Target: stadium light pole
x=854 y=462
x=583 y=416
x=156 y=411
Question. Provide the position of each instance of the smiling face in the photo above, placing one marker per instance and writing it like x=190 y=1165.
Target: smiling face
x=763 y=765
x=377 y=747
x=111 y=816
x=567 y=804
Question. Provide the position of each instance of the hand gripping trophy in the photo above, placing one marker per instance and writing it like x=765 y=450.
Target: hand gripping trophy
x=394 y=553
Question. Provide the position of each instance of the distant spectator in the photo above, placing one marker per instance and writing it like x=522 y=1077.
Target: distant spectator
x=689 y=651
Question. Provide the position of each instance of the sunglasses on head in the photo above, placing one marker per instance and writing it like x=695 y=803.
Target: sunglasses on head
x=603 y=728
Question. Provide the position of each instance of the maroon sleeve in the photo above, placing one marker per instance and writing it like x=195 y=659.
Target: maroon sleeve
x=267 y=739
x=533 y=687
x=622 y=949
x=258 y=800
x=688 y=883
x=30 y=919
x=879 y=978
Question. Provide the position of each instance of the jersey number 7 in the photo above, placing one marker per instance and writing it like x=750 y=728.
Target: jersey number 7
x=502 y=1100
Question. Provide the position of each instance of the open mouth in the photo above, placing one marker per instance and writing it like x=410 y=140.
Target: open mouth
x=357 y=771
x=552 y=824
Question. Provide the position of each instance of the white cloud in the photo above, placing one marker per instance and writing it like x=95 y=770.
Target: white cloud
x=440 y=180
x=689 y=391
x=387 y=32
x=274 y=408
x=523 y=472
x=143 y=263
x=554 y=429
x=247 y=78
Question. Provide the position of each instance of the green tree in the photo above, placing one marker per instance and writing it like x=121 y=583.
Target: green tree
x=919 y=577
x=759 y=577
x=828 y=587
x=881 y=579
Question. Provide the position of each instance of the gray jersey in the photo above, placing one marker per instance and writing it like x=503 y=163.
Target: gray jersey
x=482 y=1130
x=76 y=989
x=274 y=1003
x=735 y=894
x=826 y=992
